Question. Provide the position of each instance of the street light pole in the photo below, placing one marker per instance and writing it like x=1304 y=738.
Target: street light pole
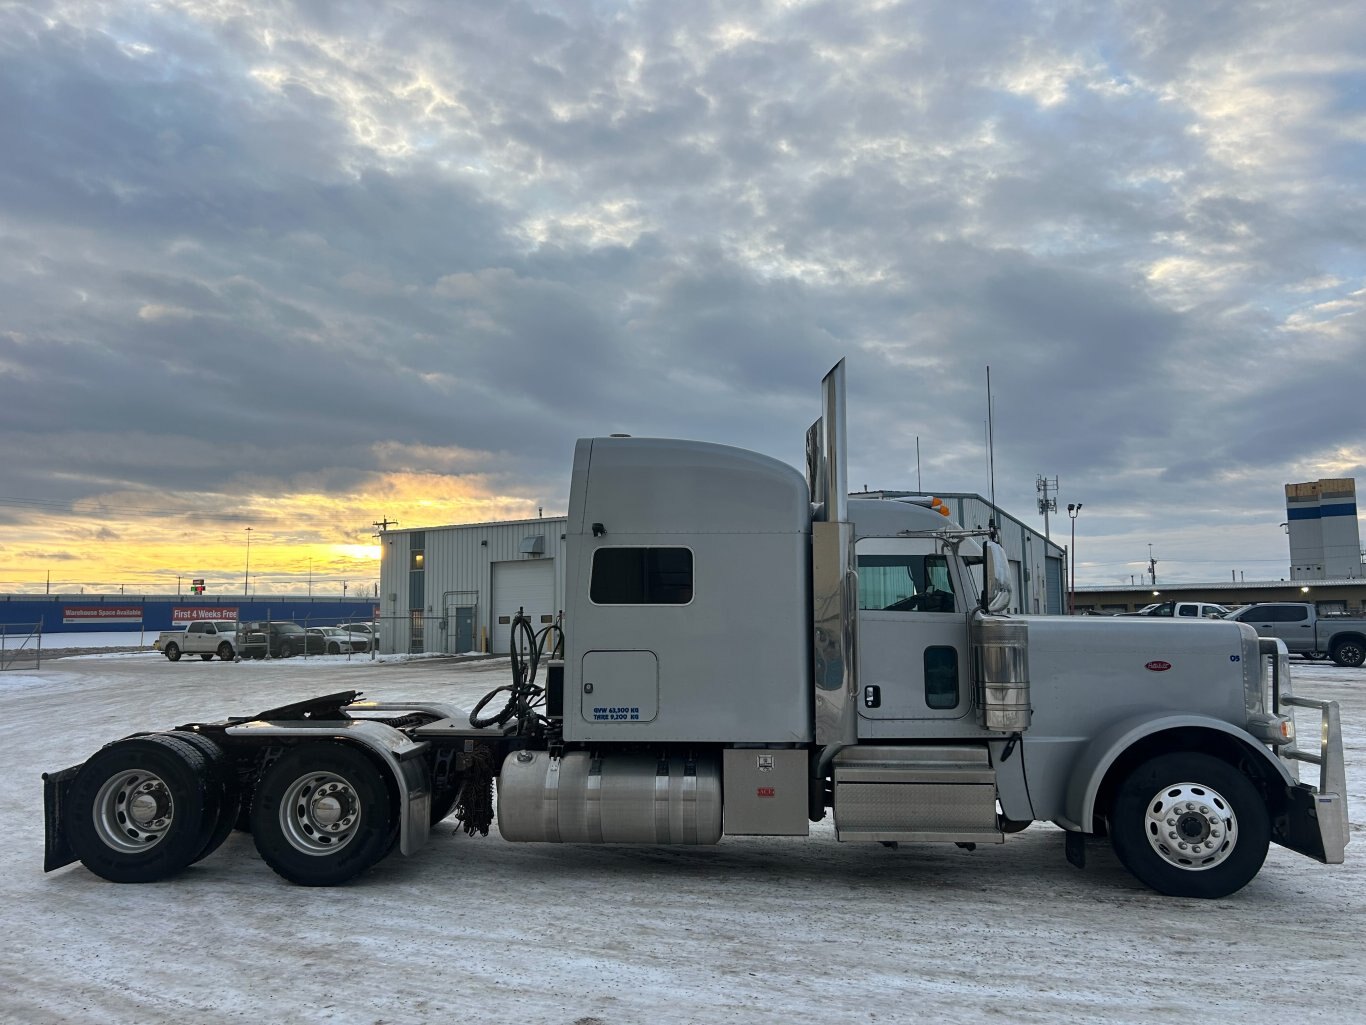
x=1072 y=509
x=246 y=574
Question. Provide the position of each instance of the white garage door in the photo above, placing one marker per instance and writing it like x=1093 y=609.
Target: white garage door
x=529 y=586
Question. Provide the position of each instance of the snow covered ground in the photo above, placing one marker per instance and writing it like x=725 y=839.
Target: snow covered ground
x=752 y=930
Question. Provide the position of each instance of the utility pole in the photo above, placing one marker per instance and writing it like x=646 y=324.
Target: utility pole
x=385 y=524
x=1152 y=564
x=246 y=573
x=1046 y=504
x=1073 y=508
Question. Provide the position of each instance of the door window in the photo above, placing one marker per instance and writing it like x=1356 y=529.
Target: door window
x=941 y=677
x=905 y=583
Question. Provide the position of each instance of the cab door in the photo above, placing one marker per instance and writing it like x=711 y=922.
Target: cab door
x=913 y=631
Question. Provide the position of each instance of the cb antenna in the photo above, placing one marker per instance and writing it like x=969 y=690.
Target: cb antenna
x=991 y=457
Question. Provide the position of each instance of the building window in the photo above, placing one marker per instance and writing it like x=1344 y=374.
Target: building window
x=642 y=576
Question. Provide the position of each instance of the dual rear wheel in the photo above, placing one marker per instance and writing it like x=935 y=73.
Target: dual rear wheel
x=146 y=808
x=323 y=814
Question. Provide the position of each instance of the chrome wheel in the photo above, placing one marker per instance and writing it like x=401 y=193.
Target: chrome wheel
x=1190 y=839
x=133 y=811
x=1191 y=826
x=320 y=813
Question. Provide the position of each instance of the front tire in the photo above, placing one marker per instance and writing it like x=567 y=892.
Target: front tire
x=334 y=648
x=286 y=649
x=173 y=652
x=225 y=652
x=141 y=809
x=205 y=656
x=1349 y=653
x=1190 y=825
x=323 y=814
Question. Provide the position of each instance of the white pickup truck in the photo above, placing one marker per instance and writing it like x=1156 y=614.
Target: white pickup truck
x=1181 y=610
x=203 y=637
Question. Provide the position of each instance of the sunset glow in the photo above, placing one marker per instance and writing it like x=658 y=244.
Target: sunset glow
x=301 y=541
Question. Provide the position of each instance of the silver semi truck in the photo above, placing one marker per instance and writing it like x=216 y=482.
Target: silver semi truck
x=745 y=651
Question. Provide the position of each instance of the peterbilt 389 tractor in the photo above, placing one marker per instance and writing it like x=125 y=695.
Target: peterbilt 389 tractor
x=746 y=650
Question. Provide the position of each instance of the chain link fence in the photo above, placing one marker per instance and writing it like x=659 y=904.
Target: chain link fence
x=21 y=646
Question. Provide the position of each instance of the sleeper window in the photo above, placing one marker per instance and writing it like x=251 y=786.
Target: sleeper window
x=642 y=576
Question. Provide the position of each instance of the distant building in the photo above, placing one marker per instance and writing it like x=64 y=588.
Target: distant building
x=1321 y=519
x=456 y=588
x=1330 y=597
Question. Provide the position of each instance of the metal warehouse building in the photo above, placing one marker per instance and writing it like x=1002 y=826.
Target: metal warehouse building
x=456 y=588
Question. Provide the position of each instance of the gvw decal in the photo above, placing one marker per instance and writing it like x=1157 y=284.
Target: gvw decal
x=1158 y=666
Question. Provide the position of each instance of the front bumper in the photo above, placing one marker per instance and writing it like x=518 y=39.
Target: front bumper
x=1315 y=820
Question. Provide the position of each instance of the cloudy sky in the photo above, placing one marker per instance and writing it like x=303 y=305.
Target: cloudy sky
x=305 y=266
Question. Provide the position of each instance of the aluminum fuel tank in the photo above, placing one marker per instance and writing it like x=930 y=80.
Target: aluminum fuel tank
x=616 y=798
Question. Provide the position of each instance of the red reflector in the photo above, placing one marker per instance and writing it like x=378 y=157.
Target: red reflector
x=1158 y=666
x=763 y=792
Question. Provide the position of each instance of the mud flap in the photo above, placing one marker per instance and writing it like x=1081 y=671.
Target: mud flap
x=1311 y=825
x=1074 y=846
x=56 y=847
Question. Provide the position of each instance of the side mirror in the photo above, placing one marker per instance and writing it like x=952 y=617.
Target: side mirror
x=996 y=587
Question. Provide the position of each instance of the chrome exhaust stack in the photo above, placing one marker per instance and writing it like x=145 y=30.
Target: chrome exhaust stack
x=834 y=580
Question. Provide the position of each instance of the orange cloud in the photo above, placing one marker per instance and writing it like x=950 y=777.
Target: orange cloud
x=149 y=543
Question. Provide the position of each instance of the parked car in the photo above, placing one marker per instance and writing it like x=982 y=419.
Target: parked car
x=337 y=641
x=1182 y=610
x=281 y=639
x=370 y=630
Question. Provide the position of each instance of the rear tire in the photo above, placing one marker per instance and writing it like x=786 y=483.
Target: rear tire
x=141 y=809
x=223 y=779
x=1349 y=653
x=1190 y=825
x=443 y=804
x=173 y=651
x=323 y=814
